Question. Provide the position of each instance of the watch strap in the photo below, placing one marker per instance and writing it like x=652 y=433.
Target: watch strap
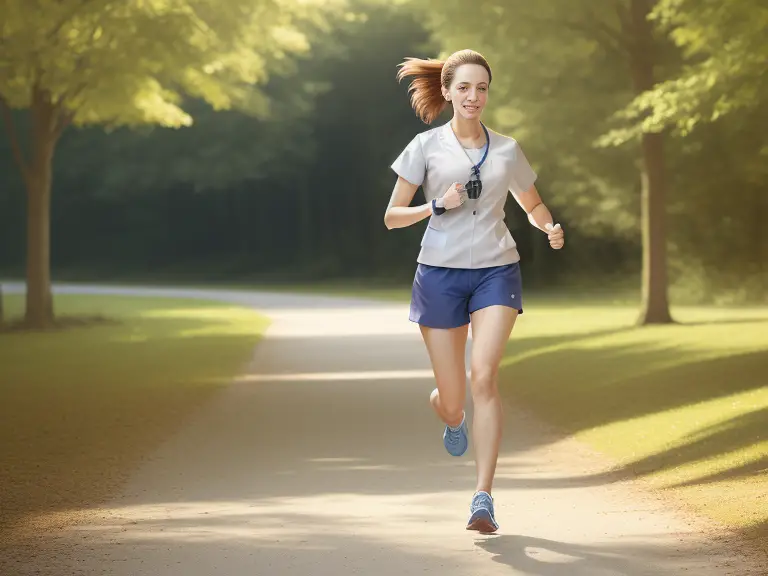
x=436 y=209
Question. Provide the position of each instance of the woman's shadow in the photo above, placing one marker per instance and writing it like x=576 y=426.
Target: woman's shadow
x=541 y=557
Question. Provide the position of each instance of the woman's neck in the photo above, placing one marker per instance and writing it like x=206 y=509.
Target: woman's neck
x=467 y=130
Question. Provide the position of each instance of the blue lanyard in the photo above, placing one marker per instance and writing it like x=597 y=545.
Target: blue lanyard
x=476 y=168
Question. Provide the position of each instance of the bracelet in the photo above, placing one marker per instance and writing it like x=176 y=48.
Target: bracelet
x=435 y=210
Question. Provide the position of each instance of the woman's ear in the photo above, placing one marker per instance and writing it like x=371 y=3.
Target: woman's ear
x=446 y=94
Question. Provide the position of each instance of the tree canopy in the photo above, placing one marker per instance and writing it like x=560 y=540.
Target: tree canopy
x=563 y=87
x=86 y=62
x=298 y=191
x=131 y=63
x=725 y=56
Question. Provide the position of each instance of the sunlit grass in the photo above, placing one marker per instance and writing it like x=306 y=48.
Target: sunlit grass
x=80 y=407
x=684 y=406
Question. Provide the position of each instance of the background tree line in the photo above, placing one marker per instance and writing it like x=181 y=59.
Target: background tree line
x=293 y=185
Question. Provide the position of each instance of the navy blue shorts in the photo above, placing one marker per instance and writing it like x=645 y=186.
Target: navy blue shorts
x=445 y=297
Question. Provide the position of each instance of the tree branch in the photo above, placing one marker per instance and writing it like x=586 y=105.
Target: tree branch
x=64 y=116
x=10 y=127
x=595 y=29
x=57 y=28
x=63 y=120
x=622 y=13
x=602 y=26
x=599 y=31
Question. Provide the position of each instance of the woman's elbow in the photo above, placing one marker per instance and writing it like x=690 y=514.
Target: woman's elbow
x=388 y=220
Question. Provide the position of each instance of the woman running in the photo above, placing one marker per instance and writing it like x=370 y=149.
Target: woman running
x=468 y=267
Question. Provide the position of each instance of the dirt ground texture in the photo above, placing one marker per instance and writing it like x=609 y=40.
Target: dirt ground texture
x=325 y=458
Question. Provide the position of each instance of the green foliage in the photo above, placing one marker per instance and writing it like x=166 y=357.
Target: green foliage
x=219 y=150
x=562 y=82
x=131 y=63
x=300 y=191
x=716 y=202
x=723 y=43
x=560 y=73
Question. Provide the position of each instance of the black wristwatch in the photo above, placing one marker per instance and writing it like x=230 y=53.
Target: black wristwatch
x=436 y=210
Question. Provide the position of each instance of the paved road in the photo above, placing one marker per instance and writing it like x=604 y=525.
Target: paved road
x=325 y=458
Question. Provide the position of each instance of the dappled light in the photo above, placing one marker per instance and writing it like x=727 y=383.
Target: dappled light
x=682 y=405
x=259 y=268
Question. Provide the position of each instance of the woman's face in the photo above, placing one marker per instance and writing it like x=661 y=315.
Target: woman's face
x=469 y=90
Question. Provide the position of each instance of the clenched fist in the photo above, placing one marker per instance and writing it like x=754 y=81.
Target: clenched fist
x=454 y=197
x=556 y=236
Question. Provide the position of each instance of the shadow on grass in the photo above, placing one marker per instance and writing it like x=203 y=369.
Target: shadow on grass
x=541 y=344
x=61 y=324
x=724 y=322
x=757 y=535
x=81 y=407
x=757 y=468
x=587 y=388
x=737 y=433
x=576 y=388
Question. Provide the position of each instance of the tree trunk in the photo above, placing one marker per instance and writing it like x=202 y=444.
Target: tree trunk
x=49 y=119
x=39 y=305
x=655 y=303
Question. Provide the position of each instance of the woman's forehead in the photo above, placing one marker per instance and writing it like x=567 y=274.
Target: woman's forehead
x=471 y=74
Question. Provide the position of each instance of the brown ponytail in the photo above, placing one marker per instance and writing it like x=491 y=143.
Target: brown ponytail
x=425 y=89
x=430 y=76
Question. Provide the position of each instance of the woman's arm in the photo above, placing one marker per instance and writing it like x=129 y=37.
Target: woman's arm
x=539 y=215
x=400 y=213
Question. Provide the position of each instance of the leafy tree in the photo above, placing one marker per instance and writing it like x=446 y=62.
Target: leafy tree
x=726 y=54
x=564 y=68
x=93 y=62
x=715 y=104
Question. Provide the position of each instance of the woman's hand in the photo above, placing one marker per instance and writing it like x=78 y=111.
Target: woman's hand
x=454 y=197
x=556 y=236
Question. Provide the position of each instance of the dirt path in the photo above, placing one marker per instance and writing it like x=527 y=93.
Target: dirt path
x=324 y=458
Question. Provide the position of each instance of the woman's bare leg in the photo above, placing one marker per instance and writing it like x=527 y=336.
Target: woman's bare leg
x=491 y=328
x=446 y=349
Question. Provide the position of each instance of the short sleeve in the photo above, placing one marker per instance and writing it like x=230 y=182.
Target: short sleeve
x=411 y=164
x=523 y=175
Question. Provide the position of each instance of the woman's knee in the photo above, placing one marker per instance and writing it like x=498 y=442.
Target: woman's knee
x=484 y=383
x=452 y=406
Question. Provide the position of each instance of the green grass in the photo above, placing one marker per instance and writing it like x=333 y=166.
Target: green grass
x=684 y=406
x=372 y=289
x=80 y=407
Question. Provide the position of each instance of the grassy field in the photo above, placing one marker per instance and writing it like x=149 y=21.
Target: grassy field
x=684 y=406
x=80 y=409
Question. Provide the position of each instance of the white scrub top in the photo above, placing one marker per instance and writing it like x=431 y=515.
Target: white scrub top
x=473 y=235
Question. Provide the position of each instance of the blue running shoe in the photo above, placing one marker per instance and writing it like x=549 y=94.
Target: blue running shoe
x=455 y=439
x=481 y=514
